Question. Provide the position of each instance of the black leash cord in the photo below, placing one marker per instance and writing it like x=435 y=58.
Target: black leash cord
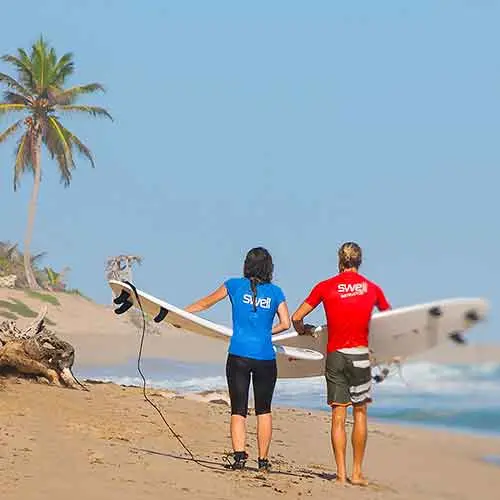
x=144 y=385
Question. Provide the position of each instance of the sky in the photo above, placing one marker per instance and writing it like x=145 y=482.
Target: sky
x=291 y=125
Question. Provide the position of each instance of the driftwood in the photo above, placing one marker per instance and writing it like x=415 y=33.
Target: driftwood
x=36 y=351
x=8 y=281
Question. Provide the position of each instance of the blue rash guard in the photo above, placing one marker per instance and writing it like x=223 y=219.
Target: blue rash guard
x=252 y=330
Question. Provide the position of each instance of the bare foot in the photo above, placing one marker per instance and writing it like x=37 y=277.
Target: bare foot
x=342 y=480
x=359 y=481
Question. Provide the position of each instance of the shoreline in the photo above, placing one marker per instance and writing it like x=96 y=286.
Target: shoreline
x=209 y=395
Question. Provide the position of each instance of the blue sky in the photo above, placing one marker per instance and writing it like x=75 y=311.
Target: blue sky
x=293 y=125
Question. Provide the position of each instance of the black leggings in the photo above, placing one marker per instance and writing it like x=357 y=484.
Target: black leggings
x=264 y=374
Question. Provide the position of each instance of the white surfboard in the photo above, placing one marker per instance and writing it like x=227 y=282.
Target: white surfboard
x=399 y=333
x=159 y=311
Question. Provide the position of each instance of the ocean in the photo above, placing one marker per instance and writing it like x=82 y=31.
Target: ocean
x=463 y=398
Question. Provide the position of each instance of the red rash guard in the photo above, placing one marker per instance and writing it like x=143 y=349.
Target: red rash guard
x=348 y=300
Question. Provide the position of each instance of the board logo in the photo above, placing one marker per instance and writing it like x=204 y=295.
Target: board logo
x=352 y=289
x=263 y=302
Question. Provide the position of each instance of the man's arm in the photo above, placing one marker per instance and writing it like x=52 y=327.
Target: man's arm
x=298 y=319
x=382 y=303
x=311 y=302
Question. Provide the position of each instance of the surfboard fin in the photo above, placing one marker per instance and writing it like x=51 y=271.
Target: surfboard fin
x=122 y=297
x=472 y=316
x=124 y=307
x=161 y=315
x=458 y=338
x=435 y=312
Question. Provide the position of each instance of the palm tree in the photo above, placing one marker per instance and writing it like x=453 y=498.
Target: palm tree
x=39 y=94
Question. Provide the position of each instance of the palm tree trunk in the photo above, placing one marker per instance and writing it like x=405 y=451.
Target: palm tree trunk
x=28 y=268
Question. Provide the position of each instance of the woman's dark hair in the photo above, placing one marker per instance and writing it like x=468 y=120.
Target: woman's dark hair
x=258 y=268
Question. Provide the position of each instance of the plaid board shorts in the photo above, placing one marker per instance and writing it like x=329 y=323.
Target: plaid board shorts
x=348 y=378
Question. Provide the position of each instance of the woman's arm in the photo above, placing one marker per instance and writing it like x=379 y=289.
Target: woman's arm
x=284 y=317
x=208 y=301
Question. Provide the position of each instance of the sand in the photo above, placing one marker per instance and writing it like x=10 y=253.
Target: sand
x=102 y=337
x=109 y=443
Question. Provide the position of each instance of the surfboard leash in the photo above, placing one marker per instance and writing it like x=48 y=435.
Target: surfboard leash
x=139 y=359
x=229 y=465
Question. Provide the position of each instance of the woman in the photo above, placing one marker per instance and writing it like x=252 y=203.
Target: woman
x=255 y=302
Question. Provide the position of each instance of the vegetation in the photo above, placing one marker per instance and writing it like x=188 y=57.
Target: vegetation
x=51 y=299
x=18 y=307
x=12 y=262
x=39 y=93
x=13 y=309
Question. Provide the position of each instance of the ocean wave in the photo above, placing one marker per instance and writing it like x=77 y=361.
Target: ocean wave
x=456 y=396
x=478 y=419
x=191 y=384
x=417 y=379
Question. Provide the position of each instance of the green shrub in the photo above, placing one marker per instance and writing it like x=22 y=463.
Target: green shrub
x=18 y=307
x=51 y=299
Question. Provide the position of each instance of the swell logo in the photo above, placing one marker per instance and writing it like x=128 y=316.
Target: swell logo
x=263 y=302
x=352 y=289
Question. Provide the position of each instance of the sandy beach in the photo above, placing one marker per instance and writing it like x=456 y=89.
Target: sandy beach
x=109 y=443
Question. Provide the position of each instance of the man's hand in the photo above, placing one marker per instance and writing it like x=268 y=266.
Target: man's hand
x=308 y=330
x=297 y=320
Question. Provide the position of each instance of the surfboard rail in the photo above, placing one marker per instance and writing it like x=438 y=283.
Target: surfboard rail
x=395 y=334
x=180 y=318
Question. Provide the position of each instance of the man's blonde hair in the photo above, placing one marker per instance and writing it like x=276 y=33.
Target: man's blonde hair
x=350 y=256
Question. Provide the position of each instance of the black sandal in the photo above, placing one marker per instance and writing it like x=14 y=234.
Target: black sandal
x=264 y=465
x=239 y=460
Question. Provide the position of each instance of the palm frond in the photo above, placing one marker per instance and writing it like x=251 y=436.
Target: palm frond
x=13 y=84
x=74 y=142
x=13 y=98
x=38 y=257
x=49 y=72
x=23 y=67
x=62 y=69
x=60 y=142
x=82 y=149
x=69 y=96
x=59 y=145
x=9 y=108
x=10 y=131
x=23 y=158
x=40 y=63
x=11 y=251
x=82 y=108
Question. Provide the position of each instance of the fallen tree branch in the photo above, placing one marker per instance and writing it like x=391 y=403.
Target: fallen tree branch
x=36 y=351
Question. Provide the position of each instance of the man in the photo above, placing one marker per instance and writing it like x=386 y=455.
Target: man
x=348 y=299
